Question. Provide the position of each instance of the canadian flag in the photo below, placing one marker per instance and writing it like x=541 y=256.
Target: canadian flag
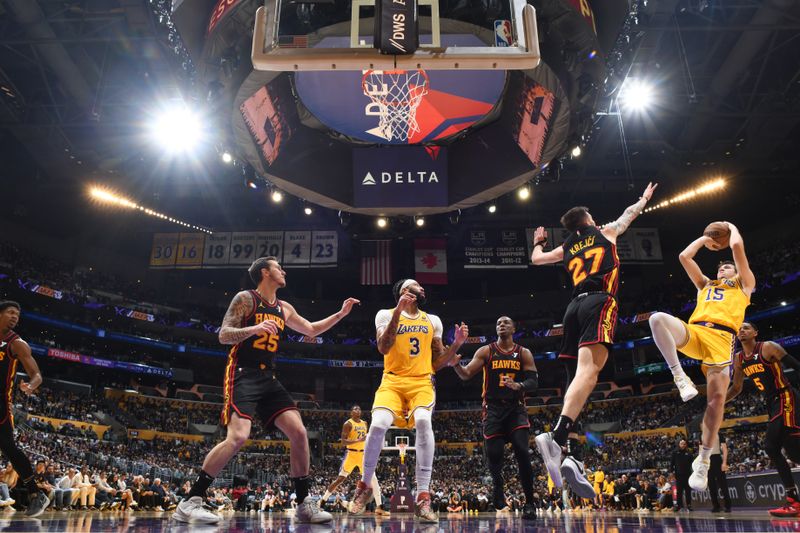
x=430 y=261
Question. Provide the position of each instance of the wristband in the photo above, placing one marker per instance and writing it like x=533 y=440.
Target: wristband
x=540 y=243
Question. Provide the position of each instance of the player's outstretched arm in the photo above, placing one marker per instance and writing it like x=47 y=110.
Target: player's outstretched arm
x=619 y=226
x=737 y=382
x=441 y=356
x=686 y=257
x=301 y=325
x=740 y=259
x=473 y=367
x=539 y=256
x=22 y=352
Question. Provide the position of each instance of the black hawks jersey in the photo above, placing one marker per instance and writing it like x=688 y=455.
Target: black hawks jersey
x=591 y=261
x=8 y=369
x=259 y=351
x=498 y=365
x=767 y=377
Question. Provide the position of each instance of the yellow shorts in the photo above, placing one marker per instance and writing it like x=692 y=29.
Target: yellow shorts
x=351 y=461
x=714 y=347
x=402 y=395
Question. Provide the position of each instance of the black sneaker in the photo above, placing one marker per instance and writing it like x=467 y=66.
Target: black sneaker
x=529 y=512
x=37 y=505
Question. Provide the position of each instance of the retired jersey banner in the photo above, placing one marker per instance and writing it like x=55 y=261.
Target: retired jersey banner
x=430 y=261
x=496 y=248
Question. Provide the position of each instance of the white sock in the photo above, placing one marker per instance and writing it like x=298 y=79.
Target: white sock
x=326 y=496
x=705 y=453
x=376 y=491
x=424 y=449
x=666 y=343
x=381 y=420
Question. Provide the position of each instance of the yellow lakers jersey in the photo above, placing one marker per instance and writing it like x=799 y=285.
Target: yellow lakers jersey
x=723 y=302
x=411 y=353
x=358 y=430
x=599 y=477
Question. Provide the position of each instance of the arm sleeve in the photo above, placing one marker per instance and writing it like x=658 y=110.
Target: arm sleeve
x=383 y=318
x=437 y=325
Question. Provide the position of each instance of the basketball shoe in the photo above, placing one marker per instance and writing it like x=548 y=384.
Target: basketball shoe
x=192 y=511
x=309 y=512
x=551 y=453
x=790 y=508
x=361 y=498
x=685 y=386
x=423 y=509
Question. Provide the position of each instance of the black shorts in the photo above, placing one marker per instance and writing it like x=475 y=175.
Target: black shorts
x=501 y=419
x=591 y=318
x=250 y=392
x=783 y=409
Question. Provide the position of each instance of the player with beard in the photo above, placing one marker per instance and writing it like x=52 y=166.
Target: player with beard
x=13 y=350
x=763 y=362
x=411 y=343
x=254 y=326
x=509 y=373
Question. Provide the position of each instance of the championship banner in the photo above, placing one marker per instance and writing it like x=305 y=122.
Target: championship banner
x=430 y=261
x=503 y=248
x=635 y=246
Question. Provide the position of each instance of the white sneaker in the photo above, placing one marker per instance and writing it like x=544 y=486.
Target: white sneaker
x=573 y=471
x=685 y=387
x=551 y=453
x=309 y=512
x=699 y=478
x=192 y=511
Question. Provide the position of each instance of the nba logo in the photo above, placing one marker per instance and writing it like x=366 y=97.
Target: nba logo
x=502 y=33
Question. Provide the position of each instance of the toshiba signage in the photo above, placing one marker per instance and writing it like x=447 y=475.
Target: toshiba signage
x=400 y=176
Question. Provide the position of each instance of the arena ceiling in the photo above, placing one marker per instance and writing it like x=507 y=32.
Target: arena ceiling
x=80 y=79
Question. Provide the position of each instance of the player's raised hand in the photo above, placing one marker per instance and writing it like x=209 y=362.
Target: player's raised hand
x=540 y=234
x=25 y=387
x=405 y=301
x=462 y=332
x=348 y=304
x=648 y=192
x=269 y=326
x=710 y=243
x=455 y=360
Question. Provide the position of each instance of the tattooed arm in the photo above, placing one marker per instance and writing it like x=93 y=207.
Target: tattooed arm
x=618 y=227
x=230 y=332
x=386 y=331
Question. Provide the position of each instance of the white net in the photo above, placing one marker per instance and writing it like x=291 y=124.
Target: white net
x=397 y=94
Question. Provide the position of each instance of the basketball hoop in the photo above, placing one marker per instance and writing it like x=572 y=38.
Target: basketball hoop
x=397 y=93
x=401 y=447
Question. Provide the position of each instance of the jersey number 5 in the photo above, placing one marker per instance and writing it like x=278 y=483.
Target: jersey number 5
x=758 y=383
x=266 y=341
x=576 y=265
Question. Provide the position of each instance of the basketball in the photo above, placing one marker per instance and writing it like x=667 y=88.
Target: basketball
x=720 y=232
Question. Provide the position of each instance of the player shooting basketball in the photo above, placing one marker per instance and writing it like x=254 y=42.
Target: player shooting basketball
x=709 y=335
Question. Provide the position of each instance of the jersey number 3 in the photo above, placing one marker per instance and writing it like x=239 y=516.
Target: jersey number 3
x=266 y=341
x=414 y=346
x=576 y=265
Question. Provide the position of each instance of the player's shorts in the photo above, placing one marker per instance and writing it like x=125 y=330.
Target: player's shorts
x=402 y=395
x=712 y=344
x=591 y=318
x=782 y=409
x=253 y=392
x=501 y=419
x=352 y=459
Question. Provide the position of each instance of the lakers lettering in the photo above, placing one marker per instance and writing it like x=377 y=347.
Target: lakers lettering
x=582 y=244
x=412 y=328
x=506 y=364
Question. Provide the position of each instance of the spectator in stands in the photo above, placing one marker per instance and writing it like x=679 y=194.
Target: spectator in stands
x=105 y=492
x=664 y=493
x=40 y=477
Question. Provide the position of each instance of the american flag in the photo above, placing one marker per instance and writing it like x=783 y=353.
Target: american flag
x=293 y=41
x=376 y=259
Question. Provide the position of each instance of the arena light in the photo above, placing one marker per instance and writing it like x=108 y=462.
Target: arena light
x=419 y=221
x=636 y=95
x=106 y=196
x=492 y=208
x=707 y=188
x=524 y=192
x=277 y=196
x=177 y=129
x=307 y=210
x=382 y=222
x=576 y=152
x=227 y=157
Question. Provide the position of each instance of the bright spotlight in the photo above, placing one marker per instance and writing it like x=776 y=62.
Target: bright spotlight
x=227 y=157
x=523 y=193
x=177 y=129
x=420 y=222
x=492 y=208
x=382 y=222
x=576 y=152
x=308 y=210
x=783 y=304
x=636 y=95
x=277 y=196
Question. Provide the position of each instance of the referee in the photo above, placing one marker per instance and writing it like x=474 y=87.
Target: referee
x=716 y=475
